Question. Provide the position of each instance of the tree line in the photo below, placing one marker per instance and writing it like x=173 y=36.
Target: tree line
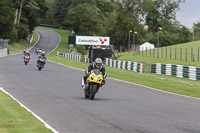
x=19 y=17
x=113 y=18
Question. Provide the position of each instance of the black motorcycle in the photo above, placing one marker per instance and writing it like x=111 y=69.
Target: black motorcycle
x=41 y=62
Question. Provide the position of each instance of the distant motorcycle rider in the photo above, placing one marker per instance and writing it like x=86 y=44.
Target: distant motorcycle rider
x=26 y=53
x=40 y=51
x=94 y=65
x=37 y=50
x=42 y=55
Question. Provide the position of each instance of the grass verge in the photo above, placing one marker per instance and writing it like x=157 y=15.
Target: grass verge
x=15 y=119
x=162 y=82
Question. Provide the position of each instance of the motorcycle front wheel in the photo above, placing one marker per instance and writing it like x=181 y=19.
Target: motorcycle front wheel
x=39 y=67
x=93 y=90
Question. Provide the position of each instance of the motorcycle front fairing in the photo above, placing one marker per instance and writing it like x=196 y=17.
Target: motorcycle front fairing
x=95 y=77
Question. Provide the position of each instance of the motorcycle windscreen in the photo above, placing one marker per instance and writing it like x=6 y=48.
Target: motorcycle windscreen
x=42 y=59
x=96 y=71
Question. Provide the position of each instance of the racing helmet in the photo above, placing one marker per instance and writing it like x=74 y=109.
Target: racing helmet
x=43 y=53
x=98 y=62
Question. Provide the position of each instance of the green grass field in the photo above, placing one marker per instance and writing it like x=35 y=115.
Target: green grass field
x=162 y=82
x=147 y=59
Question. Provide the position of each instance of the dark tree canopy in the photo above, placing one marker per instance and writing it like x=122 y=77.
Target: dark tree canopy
x=6 y=19
x=113 y=18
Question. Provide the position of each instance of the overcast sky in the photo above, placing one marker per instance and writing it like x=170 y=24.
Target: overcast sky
x=189 y=12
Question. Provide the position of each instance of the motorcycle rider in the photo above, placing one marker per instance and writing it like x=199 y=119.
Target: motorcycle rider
x=40 y=51
x=37 y=50
x=94 y=65
x=42 y=55
x=26 y=53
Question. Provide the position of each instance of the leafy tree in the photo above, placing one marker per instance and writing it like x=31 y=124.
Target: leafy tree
x=115 y=18
x=32 y=11
x=6 y=19
x=85 y=20
x=159 y=10
x=63 y=6
x=23 y=31
x=49 y=16
x=129 y=14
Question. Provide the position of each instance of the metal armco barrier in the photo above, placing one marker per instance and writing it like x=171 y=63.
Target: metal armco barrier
x=189 y=72
x=4 y=47
x=73 y=56
x=132 y=66
x=3 y=43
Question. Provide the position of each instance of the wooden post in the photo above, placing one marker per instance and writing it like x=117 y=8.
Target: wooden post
x=181 y=54
x=170 y=53
x=139 y=50
x=198 y=54
x=191 y=54
x=186 y=55
x=154 y=53
x=136 y=50
x=175 y=53
x=161 y=52
x=142 y=51
x=150 y=52
x=146 y=51
x=157 y=52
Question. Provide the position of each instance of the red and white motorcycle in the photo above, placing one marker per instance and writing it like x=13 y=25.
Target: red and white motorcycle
x=26 y=59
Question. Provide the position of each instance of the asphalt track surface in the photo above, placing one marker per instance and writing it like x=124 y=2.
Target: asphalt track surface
x=54 y=94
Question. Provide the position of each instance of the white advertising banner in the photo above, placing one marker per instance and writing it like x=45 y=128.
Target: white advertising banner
x=92 y=40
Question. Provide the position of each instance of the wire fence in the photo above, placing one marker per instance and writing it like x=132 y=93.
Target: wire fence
x=3 y=43
x=182 y=54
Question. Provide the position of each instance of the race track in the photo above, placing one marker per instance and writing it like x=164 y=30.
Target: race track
x=55 y=94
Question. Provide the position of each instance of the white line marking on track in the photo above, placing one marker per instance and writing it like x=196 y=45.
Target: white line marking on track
x=36 y=116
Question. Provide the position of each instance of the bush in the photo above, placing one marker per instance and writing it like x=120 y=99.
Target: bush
x=81 y=49
x=23 y=31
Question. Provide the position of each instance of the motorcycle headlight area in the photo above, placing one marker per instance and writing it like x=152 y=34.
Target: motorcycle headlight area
x=97 y=79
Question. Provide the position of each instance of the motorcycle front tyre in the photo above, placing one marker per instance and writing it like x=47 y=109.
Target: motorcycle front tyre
x=93 y=90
